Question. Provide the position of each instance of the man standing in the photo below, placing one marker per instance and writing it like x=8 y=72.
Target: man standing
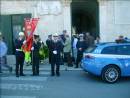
x=3 y=52
x=56 y=49
x=74 y=48
x=63 y=35
x=35 y=55
x=90 y=41
x=48 y=43
x=81 y=46
x=67 y=52
x=19 y=54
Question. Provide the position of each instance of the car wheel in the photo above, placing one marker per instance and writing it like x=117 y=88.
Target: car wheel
x=111 y=74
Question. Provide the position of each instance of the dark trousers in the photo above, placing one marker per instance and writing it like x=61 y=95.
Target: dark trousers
x=67 y=58
x=19 y=64
x=3 y=62
x=50 y=56
x=53 y=69
x=35 y=65
x=79 y=58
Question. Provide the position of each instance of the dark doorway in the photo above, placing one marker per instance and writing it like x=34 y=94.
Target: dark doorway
x=85 y=16
x=10 y=26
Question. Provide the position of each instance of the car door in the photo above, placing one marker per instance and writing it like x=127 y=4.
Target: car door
x=124 y=51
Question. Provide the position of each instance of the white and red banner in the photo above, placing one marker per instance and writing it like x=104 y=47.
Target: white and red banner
x=30 y=25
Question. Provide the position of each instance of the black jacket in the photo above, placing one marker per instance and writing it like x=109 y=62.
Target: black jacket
x=18 y=45
x=56 y=58
x=48 y=43
x=36 y=49
x=81 y=44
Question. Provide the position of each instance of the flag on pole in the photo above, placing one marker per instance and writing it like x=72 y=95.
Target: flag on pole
x=30 y=25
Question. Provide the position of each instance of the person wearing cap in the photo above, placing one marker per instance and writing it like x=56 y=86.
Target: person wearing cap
x=19 y=42
x=74 y=48
x=56 y=49
x=120 y=39
x=35 y=55
x=81 y=46
x=89 y=39
x=63 y=35
x=48 y=43
x=3 y=52
x=67 y=52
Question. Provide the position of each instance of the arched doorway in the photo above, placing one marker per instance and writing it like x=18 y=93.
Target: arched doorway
x=85 y=16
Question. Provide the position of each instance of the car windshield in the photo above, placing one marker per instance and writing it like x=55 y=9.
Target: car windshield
x=90 y=49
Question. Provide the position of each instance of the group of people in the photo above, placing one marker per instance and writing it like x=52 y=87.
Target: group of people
x=62 y=50
x=20 y=55
x=122 y=39
x=79 y=44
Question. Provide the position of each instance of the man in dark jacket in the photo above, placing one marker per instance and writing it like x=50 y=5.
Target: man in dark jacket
x=56 y=49
x=63 y=35
x=81 y=46
x=48 y=43
x=19 y=54
x=35 y=55
x=90 y=41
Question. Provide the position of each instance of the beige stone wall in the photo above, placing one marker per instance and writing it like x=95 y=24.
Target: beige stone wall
x=114 y=19
x=54 y=14
x=16 y=7
x=51 y=23
x=114 y=16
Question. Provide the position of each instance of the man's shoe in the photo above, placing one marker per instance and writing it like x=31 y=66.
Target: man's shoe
x=58 y=74
x=37 y=74
x=33 y=75
x=17 y=75
x=52 y=73
x=66 y=69
x=22 y=75
x=76 y=67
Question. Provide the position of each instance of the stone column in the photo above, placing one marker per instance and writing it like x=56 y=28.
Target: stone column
x=102 y=19
x=67 y=15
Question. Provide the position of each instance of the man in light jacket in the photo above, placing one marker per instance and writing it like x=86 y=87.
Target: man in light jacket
x=67 y=52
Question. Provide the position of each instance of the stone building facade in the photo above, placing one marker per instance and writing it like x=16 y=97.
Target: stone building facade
x=105 y=18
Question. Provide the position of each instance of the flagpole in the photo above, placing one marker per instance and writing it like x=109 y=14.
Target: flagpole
x=34 y=15
x=32 y=50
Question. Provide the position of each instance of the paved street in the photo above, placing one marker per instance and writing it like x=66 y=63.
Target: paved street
x=71 y=84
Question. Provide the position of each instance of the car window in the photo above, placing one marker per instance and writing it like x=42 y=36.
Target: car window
x=123 y=50
x=109 y=50
x=90 y=49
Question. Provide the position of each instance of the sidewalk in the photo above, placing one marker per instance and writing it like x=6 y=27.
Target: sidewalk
x=43 y=66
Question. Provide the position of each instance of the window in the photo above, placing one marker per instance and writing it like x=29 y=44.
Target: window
x=90 y=49
x=109 y=50
x=123 y=50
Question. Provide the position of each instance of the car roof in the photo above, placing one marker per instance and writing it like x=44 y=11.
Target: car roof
x=111 y=44
x=101 y=46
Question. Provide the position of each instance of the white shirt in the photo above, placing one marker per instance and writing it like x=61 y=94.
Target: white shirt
x=75 y=42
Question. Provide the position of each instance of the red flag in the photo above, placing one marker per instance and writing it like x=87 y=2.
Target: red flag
x=30 y=25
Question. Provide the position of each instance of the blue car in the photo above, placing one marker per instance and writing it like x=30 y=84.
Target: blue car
x=108 y=60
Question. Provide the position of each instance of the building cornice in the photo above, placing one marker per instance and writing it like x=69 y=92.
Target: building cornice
x=66 y=2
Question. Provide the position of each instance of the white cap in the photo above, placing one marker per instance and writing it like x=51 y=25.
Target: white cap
x=55 y=35
x=21 y=34
x=81 y=35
